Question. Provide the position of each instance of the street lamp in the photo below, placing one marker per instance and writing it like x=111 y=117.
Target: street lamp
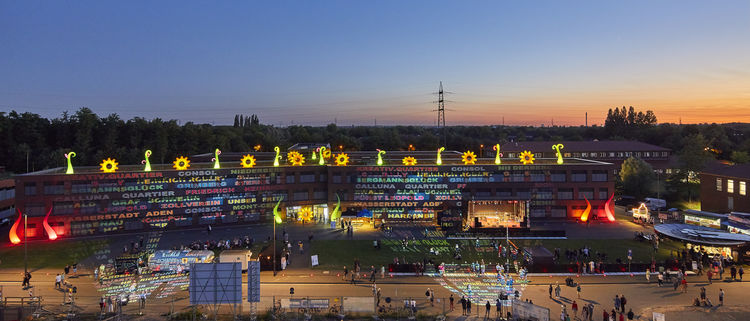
x=25 y=246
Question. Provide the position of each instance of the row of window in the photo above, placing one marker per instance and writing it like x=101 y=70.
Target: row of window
x=742 y=186
x=7 y=193
x=603 y=154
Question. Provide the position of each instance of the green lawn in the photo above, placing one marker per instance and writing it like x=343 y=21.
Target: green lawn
x=335 y=254
x=55 y=254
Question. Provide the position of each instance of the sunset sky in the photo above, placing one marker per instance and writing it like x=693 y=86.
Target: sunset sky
x=313 y=62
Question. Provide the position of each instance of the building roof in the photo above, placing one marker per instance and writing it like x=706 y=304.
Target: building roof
x=737 y=170
x=584 y=146
x=356 y=158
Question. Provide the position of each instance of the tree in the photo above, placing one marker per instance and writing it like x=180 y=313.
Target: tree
x=739 y=157
x=637 y=177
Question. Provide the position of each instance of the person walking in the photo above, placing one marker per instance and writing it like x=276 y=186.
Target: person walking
x=709 y=274
x=741 y=272
x=648 y=276
x=574 y=307
x=660 y=279
x=557 y=291
x=721 y=297
x=578 y=289
x=354 y=281
x=57 y=281
x=346 y=273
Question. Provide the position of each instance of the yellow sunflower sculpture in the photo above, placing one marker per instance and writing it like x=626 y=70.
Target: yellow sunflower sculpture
x=295 y=158
x=248 y=161
x=526 y=157
x=342 y=159
x=109 y=165
x=327 y=153
x=409 y=161
x=469 y=158
x=305 y=214
x=181 y=163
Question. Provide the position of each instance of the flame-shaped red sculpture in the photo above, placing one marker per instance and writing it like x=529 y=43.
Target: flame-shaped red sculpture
x=610 y=215
x=50 y=232
x=12 y=235
x=587 y=211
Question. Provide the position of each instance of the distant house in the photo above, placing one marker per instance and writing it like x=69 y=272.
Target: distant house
x=611 y=151
x=724 y=188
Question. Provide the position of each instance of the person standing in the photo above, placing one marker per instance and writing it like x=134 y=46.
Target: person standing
x=382 y=271
x=487 y=308
x=57 y=281
x=468 y=307
x=463 y=305
x=499 y=307
x=648 y=276
x=721 y=297
x=451 y=301
x=550 y=290
x=617 y=303
x=578 y=289
x=623 y=301
x=574 y=307
x=346 y=273
x=660 y=278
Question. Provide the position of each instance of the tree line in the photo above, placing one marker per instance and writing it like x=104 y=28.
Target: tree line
x=94 y=137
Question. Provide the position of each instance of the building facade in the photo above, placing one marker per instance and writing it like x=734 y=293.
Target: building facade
x=724 y=188
x=611 y=151
x=92 y=202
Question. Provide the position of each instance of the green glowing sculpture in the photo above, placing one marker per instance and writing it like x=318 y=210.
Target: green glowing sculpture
x=557 y=148
x=498 y=154
x=276 y=215
x=439 y=158
x=336 y=211
x=380 y=157
x=145 y=161
x=322 y=160
x=70 y=165
x=277 y=157
x=315 y=153
x=217 y=152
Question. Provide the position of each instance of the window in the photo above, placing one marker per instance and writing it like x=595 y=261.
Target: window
x=507 y=192
x=718 y=184
x=29 y=189
x=290 y=178
x=557 y=176
x=586 y=192
x=323 y=177
x=483 y=192
x=565 y=193
x=578 y=176
x=511 y=155
x=337 y=178
x=646 y=154
x=307 y=177
x=584 y=155
x=599 y=176
x=620 y=154
x=603 y=194
x=300 y=195
x=537 y=176
x=577 y=155
x=537 y=155
x=730 y=186
x=544 y=194
x=611 y=154
x=517 y=177
x=523 y=193
x=743 y=190
x=566 y=155
x=320 y=194
x=664 y=154
x=54 y=189
x=730 y=203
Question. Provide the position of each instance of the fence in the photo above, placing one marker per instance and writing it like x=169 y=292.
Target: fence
x=289 y=307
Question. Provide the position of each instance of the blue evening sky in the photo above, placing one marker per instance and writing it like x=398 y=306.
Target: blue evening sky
x=310 y=62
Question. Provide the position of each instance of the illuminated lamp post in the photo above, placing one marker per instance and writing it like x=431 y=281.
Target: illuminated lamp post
x=25 y=245
x=481 y=150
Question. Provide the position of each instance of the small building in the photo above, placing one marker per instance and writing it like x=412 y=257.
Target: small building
x=610 y=151
x=705 y=219
x=724 y=188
